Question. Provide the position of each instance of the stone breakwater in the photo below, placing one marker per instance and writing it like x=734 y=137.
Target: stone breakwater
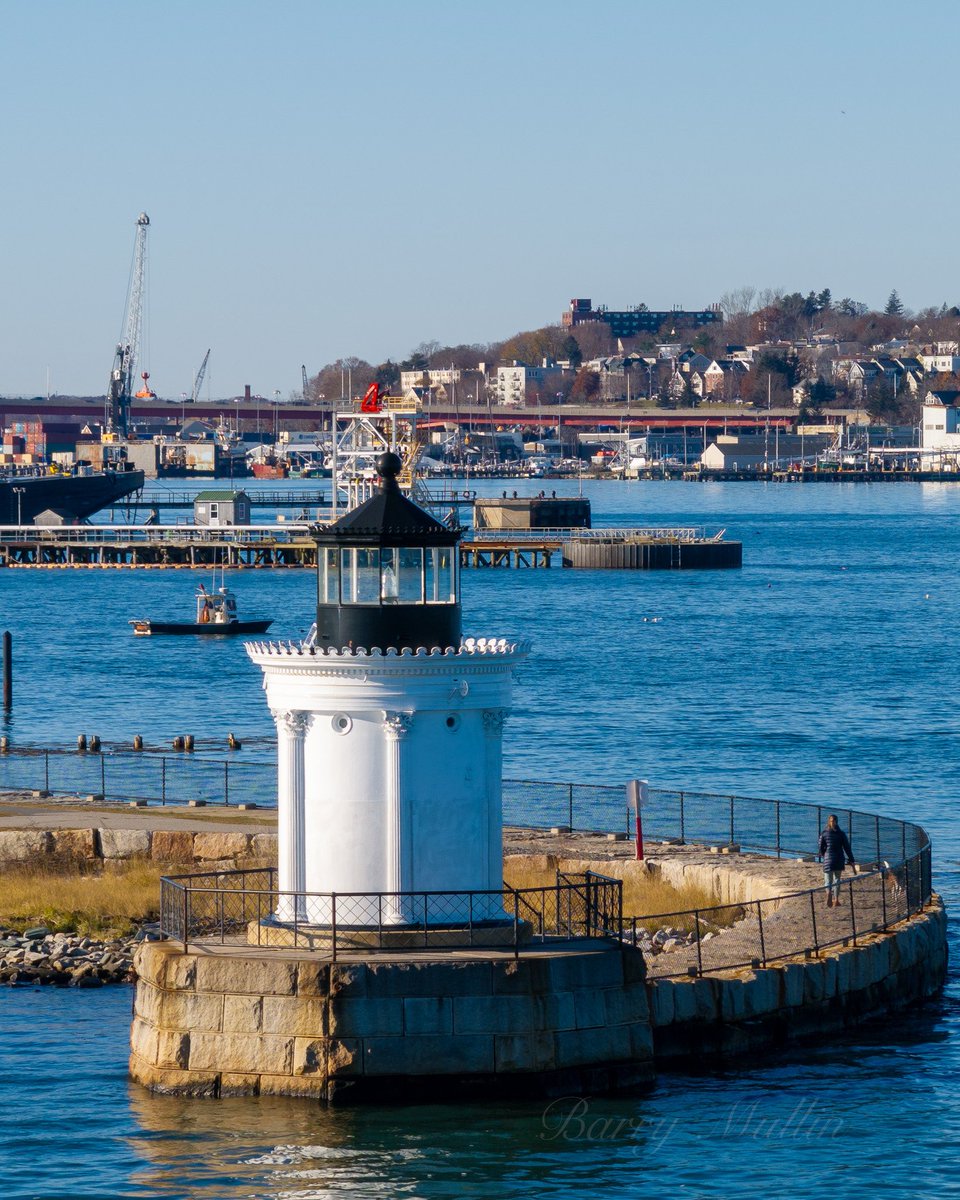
x=65 y=959
x=214 y=851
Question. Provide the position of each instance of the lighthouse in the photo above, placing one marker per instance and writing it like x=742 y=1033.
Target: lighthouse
x=389 y=730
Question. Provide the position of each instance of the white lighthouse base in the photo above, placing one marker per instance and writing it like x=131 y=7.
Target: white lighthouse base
x=389 y=781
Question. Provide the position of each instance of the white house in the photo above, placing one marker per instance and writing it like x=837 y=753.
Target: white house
x=940 y=426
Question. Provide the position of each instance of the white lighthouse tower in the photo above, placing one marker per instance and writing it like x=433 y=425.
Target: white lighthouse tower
x=389 y=730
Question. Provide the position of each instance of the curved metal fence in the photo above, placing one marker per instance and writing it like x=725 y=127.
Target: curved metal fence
x=247 y=908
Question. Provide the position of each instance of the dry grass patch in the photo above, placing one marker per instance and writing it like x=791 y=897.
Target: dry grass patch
x=106 y=903
x=646 y=896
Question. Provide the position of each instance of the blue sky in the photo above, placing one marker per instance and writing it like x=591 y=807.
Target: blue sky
x=326 y=179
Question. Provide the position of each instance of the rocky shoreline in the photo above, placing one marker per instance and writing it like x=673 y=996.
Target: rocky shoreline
x=67 y=959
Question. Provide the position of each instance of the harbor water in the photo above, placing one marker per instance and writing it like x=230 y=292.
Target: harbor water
x=823 y=670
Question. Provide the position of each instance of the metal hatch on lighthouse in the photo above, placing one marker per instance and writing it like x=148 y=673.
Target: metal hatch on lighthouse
x=389 y=729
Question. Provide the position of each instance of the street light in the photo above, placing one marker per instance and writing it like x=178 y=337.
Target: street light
x=276 y=416
x=18 y=492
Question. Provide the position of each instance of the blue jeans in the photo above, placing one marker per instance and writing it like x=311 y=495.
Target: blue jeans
x=831 y=881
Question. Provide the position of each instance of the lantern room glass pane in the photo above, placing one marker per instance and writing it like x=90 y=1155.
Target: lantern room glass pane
x=440 y=576
x=401 y=575
x=329 y=577
x=411 y=574
x=389 y=583
x=360 y=577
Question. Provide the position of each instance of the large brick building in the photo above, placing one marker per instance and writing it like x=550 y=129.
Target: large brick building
x=639 y=319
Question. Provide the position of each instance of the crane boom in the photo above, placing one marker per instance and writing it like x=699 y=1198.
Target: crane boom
x=120 y=388
x=303 y=372
x=198 y=378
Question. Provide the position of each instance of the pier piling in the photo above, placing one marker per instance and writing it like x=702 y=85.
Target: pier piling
x=7 y=671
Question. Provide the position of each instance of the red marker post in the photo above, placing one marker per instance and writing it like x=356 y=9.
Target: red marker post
x=637 y=792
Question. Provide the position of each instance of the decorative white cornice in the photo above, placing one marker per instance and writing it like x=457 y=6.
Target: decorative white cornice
x=475 y=657
x=469 y=647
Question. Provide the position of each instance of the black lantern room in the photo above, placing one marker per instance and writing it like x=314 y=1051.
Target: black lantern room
x=388 y=574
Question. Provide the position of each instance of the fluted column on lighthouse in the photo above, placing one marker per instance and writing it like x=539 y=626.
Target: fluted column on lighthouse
x=493 y=722
x=291 y=820
x=399 y=862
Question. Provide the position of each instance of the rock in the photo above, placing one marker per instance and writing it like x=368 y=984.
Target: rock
x=24 y=845
x=88 y=981
x=220 y=846
x=124 y=843
x=40 y=931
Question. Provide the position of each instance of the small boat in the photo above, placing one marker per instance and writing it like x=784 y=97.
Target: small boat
x=216 y=614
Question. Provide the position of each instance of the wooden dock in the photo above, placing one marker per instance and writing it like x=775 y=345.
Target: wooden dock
x=291 y=546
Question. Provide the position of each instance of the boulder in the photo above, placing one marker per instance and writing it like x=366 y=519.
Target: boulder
x=124 y=843
x=24 y=845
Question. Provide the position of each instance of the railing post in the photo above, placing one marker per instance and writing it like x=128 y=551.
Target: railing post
x=777 y=802
x=853 y=916
x=46 y=770
x=426 y=936
x=220 y=907
x=732 y=838
x=906 y=883
x=763 y=948
x=696 y=922
x=226 y=784
x=813 y=916
x=163 y=779
x=333 y=925
x=876 y=822
x=516 y=924
x=883 y=892
x=186 y=916
x=683 y=834
x=570 y=806
x=103 y=775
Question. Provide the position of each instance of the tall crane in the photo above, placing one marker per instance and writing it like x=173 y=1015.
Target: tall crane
x=303 y=372
x=120 y=389
x=198 y=379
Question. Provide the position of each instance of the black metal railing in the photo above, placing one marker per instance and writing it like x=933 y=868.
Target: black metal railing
x=246 y=907
x=118 y=775
x=757 y=933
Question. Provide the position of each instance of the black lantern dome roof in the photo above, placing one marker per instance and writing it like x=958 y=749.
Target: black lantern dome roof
x=387 y=574
x=389 y=518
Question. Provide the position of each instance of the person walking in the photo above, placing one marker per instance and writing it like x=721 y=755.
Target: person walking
x=835 y=852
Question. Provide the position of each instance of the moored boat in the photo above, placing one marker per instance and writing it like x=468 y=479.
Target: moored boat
x=216 y=615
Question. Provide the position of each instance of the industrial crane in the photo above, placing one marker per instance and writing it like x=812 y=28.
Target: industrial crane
x=303 y=372
x=120 y=389
x=198 y=379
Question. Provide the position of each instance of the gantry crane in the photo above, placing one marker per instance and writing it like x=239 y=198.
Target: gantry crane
x=120 y=390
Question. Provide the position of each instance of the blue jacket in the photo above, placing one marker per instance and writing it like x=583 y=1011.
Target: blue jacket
x=834 y=845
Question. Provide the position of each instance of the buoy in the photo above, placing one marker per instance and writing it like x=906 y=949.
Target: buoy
x=94 y=743
x=137 y=742
x=81 y=741
x=4 y=745
x=178 y=743
x=233 y=742
x=188 y=742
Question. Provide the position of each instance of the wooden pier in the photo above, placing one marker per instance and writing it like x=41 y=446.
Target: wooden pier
x=292 y=546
